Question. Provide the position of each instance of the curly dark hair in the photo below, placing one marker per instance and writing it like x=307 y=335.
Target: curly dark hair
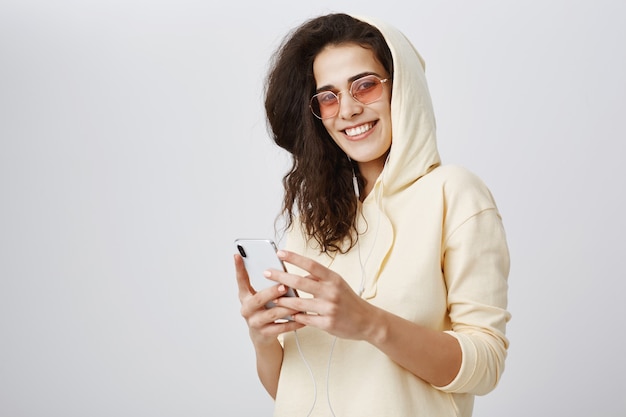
x=319 y=184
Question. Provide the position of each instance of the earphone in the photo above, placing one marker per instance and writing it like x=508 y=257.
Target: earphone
x=355 y=183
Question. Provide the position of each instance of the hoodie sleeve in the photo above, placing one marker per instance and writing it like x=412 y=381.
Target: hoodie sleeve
x=476 y=266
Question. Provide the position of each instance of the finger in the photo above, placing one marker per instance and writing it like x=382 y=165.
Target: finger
x=300 y=304
x=314 y=268
x=274 y=329
x=270 y=316
x=308 y=319
x=307 y=284
x=258 y=301
x=243 y=281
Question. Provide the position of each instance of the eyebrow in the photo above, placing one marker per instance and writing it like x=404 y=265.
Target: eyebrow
x=350 y=80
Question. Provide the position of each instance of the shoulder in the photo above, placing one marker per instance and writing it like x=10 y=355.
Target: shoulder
x=454 y=176
x=461 y=189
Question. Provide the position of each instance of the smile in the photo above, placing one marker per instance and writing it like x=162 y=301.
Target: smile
x=359 y=130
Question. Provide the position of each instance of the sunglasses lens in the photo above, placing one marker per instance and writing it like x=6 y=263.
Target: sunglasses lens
x=325 y=104
x=367 y=89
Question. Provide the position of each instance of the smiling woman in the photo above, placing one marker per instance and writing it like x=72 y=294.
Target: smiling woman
x=401 y=263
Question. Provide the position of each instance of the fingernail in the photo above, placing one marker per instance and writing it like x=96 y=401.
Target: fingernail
x=281 y=288
x=267 y=274
x=281 y=254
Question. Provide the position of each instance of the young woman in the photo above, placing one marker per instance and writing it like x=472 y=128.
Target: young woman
x=401 y=263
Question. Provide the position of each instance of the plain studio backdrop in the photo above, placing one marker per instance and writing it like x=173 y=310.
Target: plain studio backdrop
x=134 y=150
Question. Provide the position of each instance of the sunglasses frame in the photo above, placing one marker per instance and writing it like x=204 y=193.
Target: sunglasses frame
x=382 y=81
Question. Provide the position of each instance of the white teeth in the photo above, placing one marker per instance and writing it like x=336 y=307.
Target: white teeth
x=359 y=130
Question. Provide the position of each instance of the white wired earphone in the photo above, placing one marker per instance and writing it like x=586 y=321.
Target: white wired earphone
x=360 y=292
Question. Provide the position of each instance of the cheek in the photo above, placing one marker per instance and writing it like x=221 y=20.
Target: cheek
x=327 y=124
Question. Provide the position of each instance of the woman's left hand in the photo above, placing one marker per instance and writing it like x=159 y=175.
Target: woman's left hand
x=334 y=308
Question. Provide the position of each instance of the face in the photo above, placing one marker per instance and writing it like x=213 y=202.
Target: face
x=362 y=131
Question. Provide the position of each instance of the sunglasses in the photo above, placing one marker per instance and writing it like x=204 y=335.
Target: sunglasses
x=364 y=90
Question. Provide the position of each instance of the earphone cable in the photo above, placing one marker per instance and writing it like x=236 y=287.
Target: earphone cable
x=308 y=367
x=330 y=356
x=379 y=197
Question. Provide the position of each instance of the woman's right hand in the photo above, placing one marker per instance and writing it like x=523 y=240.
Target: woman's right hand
x=262 y=322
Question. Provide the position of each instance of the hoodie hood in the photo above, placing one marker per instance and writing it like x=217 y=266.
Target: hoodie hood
x=412 y=155
x=414 y=147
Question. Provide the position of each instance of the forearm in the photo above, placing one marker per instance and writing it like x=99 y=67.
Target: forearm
x=269 y=358
x=432 y=355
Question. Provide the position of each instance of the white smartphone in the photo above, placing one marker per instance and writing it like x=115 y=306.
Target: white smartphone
x=259 y=255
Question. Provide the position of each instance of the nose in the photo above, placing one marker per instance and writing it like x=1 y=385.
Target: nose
x=348 y=106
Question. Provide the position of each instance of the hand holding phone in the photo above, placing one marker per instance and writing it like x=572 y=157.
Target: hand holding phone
x=259 y=255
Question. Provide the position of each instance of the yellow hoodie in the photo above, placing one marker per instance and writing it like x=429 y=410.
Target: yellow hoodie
x=433 y=250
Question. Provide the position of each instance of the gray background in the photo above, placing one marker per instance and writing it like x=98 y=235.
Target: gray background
x=133 y=151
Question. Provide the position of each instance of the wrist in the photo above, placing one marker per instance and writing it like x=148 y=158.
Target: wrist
x=377 y=329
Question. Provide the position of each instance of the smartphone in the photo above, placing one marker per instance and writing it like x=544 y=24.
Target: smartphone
x=259 y=255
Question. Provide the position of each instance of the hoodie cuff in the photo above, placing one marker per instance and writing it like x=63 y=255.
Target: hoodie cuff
x=468 y=364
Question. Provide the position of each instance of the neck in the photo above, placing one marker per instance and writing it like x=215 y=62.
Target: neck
x=369 y=177
x=370 y=171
